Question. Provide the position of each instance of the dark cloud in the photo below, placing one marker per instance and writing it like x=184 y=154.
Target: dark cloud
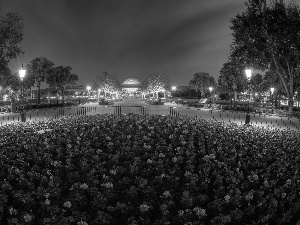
x=129 y=37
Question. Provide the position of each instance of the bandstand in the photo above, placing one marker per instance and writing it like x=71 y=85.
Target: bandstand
x=131 y=87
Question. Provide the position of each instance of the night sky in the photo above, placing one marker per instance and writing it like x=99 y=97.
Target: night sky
x=128 y=38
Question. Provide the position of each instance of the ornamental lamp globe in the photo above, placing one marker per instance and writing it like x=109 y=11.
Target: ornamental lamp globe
x=22 y=73
x=248 y=74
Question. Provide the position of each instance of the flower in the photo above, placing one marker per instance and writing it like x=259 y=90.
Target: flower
x=180 y=213
x=149 y=161
x=13 y=211
x=82 y=223
x=108 y=185
x=174 y=159
x=47 y=202
x=187 y=174
x=84 y=186
x=227 y=198
x=199 y=211
x=161 y=155
x=166 y=194
x=144 y=208
x=98 y=151
x=27 y=218
x=47 y=195
x=114 y=172
x=67 y=204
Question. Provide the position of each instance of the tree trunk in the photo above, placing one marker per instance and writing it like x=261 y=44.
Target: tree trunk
x=39 y=92
x=290 y=103
x=63 y=96
x=56 y=96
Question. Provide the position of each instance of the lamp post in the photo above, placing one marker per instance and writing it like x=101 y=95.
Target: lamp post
x=272 y=91
x=248 y=75
x=22 y=73
x=88 y=89
x=210 y=90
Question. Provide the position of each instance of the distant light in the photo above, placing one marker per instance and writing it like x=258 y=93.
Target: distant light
x=248 y=74
x=22 y=73
x=210 y=89
x=174 y=88
x=88 y=87
x=272 y=89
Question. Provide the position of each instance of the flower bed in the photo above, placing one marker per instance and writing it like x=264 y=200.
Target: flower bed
x=133 y=169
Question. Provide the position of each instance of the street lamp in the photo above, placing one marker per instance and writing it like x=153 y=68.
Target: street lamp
x=248 y=75
x=210 y=90
x=272 y=91
x=22 y=73
x=174 y=88
x=88 y=88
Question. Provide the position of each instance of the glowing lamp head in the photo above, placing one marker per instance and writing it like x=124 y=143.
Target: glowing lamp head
x=272 y=90
x=248 y=74
x=88 y=87
x=210 y=89
x=174 y=88
x=22 y=73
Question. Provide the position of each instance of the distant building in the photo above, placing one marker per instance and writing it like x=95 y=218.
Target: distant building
x=131 y=84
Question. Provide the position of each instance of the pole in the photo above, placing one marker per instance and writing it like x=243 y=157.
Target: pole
x=272 y=103
x=23 y=118
x=248 y=113
x=249 y=100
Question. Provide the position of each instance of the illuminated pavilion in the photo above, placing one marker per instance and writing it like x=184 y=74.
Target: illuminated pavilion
x=131 y=85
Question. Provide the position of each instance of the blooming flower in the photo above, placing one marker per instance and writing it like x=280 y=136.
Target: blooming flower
x=84 y=186
x=12 y=211
x=161 y=155
x=68 y=204
x=47 y=195
x=149 y=161
x=114 y=172
x=166 y=194
x=180 y=213
x=144 y=208
x=98 y=151
x=227 y=198
x=27 y=218
x=199 y=211
x=47 y=202
x=108 y=185
x=82 y=223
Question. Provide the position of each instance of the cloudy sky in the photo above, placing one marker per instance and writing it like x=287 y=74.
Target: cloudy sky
x=128 y=38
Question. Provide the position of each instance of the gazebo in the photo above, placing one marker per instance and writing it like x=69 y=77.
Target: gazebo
x=131 y=85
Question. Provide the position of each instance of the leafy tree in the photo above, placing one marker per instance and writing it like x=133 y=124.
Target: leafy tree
x=201 y=82
x=60 y=77
x=6 y=77
x=107 y=83
x=39 y=68
x=265 y=37
x=156 y=82
x=11 y=34
x=232 y=78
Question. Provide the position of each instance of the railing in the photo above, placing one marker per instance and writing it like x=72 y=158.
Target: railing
x=236 y=117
